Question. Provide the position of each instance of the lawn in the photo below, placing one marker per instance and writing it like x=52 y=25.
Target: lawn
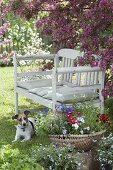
x=7 y=127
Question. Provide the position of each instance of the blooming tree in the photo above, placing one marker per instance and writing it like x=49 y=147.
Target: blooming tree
x=5 y=57
x=86 y=24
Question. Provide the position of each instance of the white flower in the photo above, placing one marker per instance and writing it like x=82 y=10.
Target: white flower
x=88 y=128
x=81 y=119
x=59 y=156
x=64 y=131
x=50 y=168
x=82 y=132
x=94 y=140
x=75 y=125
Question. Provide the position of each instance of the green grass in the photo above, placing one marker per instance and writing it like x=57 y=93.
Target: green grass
x=7 y=128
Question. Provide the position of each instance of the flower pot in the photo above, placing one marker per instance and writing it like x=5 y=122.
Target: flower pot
x=80 y=142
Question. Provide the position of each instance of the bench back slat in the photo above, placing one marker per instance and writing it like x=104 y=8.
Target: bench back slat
x=86 y=77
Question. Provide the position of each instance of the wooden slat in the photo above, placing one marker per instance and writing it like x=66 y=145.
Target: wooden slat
x=63 y=65
x=69 y=53
x=34 y=57
x=34 y=73
x=77 y=69
x=66 y=64
x=71 y=65
x=83 y=87
x=34 y=97
x=96 y=79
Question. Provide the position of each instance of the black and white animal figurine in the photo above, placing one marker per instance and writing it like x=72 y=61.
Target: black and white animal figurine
x=25 y=126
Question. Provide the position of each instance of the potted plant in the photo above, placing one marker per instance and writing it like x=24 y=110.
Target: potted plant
x=105 y=152
x=81 y=125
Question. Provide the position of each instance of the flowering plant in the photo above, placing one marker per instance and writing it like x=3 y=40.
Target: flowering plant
x=105 y=150
x=82 y=119
x=6 y=59
x=53 y=158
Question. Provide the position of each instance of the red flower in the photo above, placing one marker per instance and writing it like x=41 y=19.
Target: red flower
x=78 y=113
x=70 y=113
x=68 y=116
x=104 y=118
x=72 y=120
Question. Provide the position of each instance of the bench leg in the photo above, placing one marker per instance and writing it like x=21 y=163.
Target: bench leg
x=101 y=101
x=102 y=107
x=54 y=107
x=16 y=103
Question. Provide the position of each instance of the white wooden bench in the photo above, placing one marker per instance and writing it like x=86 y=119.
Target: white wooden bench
x=64 y=83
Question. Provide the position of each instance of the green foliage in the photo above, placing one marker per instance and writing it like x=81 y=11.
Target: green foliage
x=11 y=159
x=105 y=150
x=24 y=35
x=109 y=105
x=91 y=114
x=35 y=44
x=52 y=158
x=105 y=33
x=20 y=34
x=49 y=123
x=109 y=108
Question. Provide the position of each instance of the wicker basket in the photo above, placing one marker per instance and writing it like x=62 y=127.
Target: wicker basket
x=80 y=142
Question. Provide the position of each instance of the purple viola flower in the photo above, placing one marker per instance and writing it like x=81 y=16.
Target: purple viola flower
x=69 y=109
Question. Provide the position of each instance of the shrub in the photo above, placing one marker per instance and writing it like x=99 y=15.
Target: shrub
x=6 y=59
x=35 y=45
x=53 y=158
x=105 y=150
x=24 y=35
x=109 y=104
x=11 y=159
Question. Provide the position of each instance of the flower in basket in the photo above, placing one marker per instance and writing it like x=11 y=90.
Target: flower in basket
x=80 y=119
x=81 y=126
x=83 y=119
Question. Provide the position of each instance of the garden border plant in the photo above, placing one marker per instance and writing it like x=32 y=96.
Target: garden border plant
x=54 y=158
x=12 y=159
x=105 y=150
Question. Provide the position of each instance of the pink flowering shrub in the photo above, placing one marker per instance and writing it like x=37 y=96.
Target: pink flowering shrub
x=5 y=57
x=4 y=28
x=72 y=23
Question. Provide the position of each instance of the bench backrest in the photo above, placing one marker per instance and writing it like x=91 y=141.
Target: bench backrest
x=83 y=76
